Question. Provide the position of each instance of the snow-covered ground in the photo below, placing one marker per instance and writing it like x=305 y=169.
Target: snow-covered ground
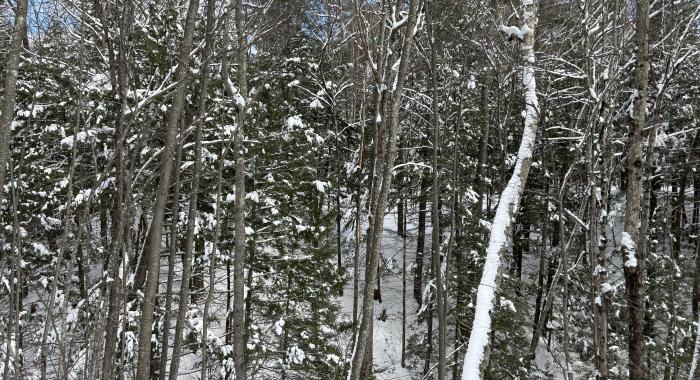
x=388 y=333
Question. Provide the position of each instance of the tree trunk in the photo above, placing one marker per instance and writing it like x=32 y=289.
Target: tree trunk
x=476 y=358
x=592 y=244
x=696 y=221
x=402 y=222
x=544 y=250
x=695 y=366
x=420 y=243
x=239 y=333
x=605 y=290
x=7 y=112
x=206 y=56
x=194 y=192
x=634 y=262
x=118 y=68
x=435 y=216
x=382 y=186
x=565 y=297
x=154 y=241
x=175 y=206
x=358 y=218
x=483 y=150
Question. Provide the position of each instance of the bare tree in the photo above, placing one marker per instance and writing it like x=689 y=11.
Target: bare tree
x=156 y=233
x=7 y=111
x=194 y=192
x=435 y=216
x=239 y=334
x=381 y=186
x=634 y=262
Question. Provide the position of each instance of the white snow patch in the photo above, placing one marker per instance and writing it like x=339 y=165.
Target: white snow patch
x=508 y=304
x=279 y=326
x=294 y=121
x=296 y=355
x=515 y=31
x=320 y=186
x=630 y=248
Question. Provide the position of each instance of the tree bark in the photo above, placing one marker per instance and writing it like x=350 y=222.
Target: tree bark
x=194 y=192
x=166 y=165
x=239 y=333
x=483 y=150
x=695 y=367
x=402 y=222
x=565 y=297
x=696 y=221
x=173 y=245
x=358 y=216
x=7 y=112
x=382 y=186
x=634 y=262
x=118 y=69
x=592 y=243
x=420 y=243
x=544 y=253
x=435 y=216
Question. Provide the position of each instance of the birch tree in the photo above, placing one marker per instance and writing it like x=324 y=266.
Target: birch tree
x=477 y=355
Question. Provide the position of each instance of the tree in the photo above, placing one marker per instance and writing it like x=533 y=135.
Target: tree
x=477 y=355
x=632 y=241
x=8 y=99
x=381 y=189
x=154 y=242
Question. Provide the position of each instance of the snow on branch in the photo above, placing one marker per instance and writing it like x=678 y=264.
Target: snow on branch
x=515 y=32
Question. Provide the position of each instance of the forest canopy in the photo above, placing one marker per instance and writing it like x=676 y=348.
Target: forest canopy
x=350 y=189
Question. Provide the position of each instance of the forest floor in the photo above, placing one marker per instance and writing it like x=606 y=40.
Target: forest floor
x=388 y=333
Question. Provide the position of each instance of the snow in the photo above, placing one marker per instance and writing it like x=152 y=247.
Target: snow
x=333 y=358
x=80 y=137
x=316 y=104
x=320 y=186
x=82 y=196
x=41 y=249
x=279 y=325
x=239 y=100
x=296 y=355
x=696 y=354
x=508 y=304
x=387 y=333
x=515 y=31
x=98 y=82
x=294 y=121
x=629 y=247
x=471 y=84
x=253 y=196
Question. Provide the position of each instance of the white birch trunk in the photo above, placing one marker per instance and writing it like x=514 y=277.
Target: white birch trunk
x=477 y=356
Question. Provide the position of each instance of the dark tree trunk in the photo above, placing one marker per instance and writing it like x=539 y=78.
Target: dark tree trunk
x=420 y=242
